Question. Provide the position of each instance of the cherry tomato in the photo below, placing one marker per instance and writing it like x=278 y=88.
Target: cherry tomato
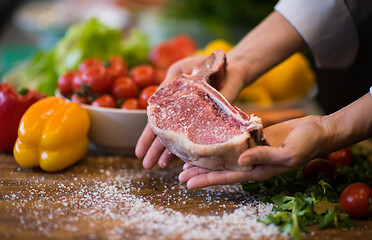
x=168 y=52
x=104 y=101
x=97 y=78
x=79 y=99
x=65 y=83
x=317 y=166
x=145 y=95
x=356 y=199
x=76 y=82
x=162 y=55
x=124 y=87
x=131 y=103
x=341 y=157
x=88 y=63
x=161 y=74
x=183 y=46
x=116 y=67
x=144 y=75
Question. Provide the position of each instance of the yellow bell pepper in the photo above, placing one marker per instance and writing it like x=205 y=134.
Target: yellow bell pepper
x=213 y=46
x=52 y=134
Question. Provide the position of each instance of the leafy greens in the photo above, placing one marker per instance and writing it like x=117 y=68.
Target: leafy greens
x=299 y=203
x=88 y=39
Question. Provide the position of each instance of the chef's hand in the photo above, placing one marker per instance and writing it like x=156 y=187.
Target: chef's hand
x=292 y=144
x=149 y=146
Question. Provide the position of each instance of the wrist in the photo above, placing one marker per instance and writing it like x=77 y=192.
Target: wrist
x=349 y=125
x=241 y=67
x=332 y=134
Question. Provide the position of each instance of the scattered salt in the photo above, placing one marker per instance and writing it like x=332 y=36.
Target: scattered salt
x=113 y=206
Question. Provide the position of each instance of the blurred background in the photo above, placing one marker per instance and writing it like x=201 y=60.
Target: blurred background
x=30 y=26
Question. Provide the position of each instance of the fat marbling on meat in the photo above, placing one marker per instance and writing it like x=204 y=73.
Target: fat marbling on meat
x=197 y=124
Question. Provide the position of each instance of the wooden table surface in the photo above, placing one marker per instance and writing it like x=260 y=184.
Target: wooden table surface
x=112 y=197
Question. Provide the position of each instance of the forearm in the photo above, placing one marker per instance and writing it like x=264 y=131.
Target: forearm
x=272 y=41
x=349 y=125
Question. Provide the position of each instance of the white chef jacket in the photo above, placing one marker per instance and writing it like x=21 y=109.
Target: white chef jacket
x=327 y=26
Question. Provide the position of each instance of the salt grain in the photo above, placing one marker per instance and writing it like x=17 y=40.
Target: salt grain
x=171 y=212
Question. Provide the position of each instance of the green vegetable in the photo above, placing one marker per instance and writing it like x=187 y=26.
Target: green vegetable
x=135 y=47
x=299 y=203
x=88 y=39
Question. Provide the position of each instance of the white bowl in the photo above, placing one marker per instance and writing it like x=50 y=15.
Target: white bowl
x=114 y=131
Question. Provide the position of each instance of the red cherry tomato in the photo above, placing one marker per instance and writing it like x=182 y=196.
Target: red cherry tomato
x=356 y=199
x=97 y=78
x=104 y=101
x=79 y=99
x=144 y=75
x=162 y=55
x=76 y=82
x=317 y=166
x=168 y=52
x=65 y=83
x=161 y=74
x=131 y=103
x=145 y=95
x=341 y=157
x=183 y=46
x=124 y=87
x=88 y=63
x=116 y=67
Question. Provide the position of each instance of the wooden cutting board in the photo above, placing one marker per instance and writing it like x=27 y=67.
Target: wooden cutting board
x=111 y=197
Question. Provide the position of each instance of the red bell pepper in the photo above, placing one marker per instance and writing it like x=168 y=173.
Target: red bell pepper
x=13 y=104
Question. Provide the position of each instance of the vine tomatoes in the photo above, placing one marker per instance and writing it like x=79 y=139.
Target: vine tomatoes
x=162 y=55
x=355 y=200
x=124 y=87
x=65 y=83
x=341 y=157
x=144 y=75
x=161 y=74
x=97 y=79
x=168 y=52
x=318 y=166
x=104 y=101
x=88 y=63
x=116 y=67
x=76 y=82
x=183 y=45
x=145 y=95
x=131 y=103
x=79 y=99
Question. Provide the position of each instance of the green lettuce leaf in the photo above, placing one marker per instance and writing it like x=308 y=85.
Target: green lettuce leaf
x=81 y=41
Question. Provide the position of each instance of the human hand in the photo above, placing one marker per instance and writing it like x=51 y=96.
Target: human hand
x=149 y=146
x=292 y=144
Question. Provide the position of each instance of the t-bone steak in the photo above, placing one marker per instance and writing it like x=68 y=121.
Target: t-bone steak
x=197 y=124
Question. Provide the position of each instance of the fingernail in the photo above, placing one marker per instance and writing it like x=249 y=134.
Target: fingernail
x=247 y=168
x=243 y=162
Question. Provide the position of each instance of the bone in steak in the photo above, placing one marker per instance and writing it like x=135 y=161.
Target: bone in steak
x=197 y=124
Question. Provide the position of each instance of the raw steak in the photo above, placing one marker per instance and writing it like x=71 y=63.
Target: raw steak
x=197 y=124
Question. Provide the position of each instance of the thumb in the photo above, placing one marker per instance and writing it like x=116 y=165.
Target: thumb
x=260 y=155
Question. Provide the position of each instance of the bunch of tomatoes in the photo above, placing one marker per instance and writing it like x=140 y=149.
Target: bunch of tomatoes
x=355 y=199
x=109 y=84
x=112 y=84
